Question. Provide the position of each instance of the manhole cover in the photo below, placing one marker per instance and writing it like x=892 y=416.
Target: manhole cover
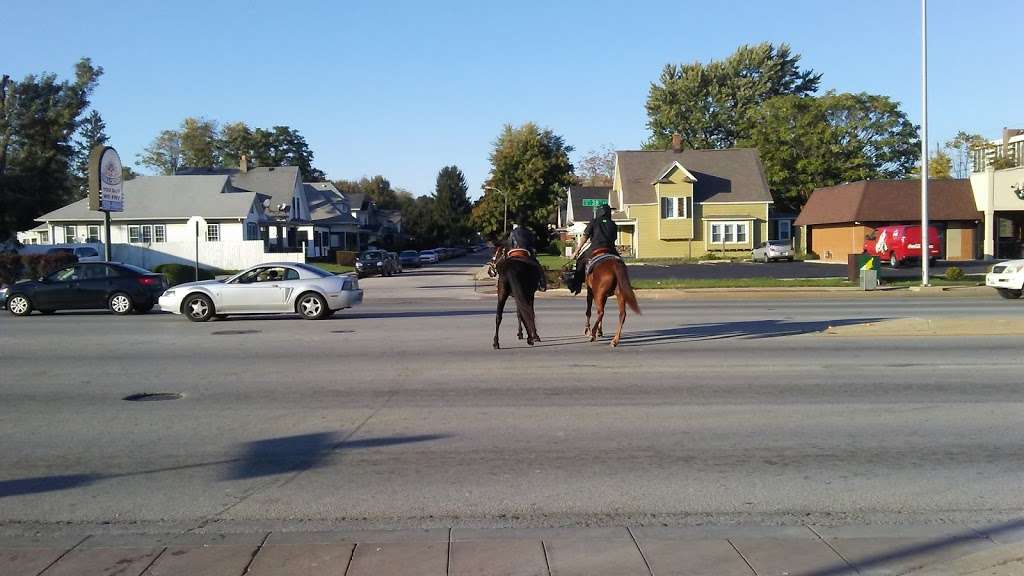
x=342 y=331
x=233 y=332
x=152 y=396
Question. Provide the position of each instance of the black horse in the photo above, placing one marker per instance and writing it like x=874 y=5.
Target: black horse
x=517 y=277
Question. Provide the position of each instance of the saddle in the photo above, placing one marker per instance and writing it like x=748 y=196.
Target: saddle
x=598 y=257
x=518 y=253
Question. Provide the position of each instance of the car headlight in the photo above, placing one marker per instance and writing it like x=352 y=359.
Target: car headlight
x=169 y=293
x=380 y=263
x=1011 y=269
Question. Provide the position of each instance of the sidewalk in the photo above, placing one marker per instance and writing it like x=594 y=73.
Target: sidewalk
x=717 y=551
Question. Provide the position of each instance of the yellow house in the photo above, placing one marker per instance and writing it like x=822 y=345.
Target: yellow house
x=687 y=203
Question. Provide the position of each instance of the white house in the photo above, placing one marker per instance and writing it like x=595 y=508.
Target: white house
x=580 y=207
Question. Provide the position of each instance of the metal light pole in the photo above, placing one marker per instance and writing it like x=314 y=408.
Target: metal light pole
x=925 y=236
x=504 y=222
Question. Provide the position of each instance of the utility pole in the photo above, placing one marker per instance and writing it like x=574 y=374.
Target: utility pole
x=925 y=236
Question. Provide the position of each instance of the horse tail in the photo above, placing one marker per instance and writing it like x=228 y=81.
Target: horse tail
x=514 y=275
x=623 y=286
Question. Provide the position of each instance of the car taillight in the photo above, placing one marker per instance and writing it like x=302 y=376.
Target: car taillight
x=149 y=280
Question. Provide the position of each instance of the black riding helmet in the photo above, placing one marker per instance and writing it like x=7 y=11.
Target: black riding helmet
x=605 y=211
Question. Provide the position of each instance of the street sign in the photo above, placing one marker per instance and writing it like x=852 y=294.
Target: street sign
x=106 y=190
x=595 y=202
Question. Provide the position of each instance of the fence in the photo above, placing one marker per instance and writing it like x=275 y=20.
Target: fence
x=215 y=255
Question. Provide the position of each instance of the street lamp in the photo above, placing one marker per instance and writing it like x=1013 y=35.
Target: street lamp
x=504 y=222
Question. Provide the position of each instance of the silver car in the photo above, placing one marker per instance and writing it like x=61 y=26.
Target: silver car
x=276 y=287
x=773 y=250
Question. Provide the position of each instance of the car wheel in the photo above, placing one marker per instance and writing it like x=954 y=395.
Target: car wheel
x=312 y=306
x=1009 y=293
x=120 y=304
x=198 y=308
x=19 y=305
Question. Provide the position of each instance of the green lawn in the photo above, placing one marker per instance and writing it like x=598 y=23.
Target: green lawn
x=741 y=283
x=552 y=262
x=334 y=268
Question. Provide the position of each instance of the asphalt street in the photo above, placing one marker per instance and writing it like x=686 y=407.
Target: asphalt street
x=399 y=414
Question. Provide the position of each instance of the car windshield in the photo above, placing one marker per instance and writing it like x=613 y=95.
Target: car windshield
x=372 y=256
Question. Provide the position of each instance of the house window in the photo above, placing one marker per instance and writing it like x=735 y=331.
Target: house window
x=729 y=233
x=675 y=208
x=213 y=232
x=147 y=234
x=716 y=233
x=93 y=234
x=44 y=237
x=159 y=233
x=133 y=235
x=69 y=234
x=252 y=231
x=785 y=229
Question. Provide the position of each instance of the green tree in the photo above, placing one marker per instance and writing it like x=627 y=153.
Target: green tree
x=284 y=146
x=711 y=105
x=198 y=139
x=235 y=139
x=961 y=147
x=128 y=174
x=164 y=153
x=809 y=142
x=596 y=167
x=451 y=205
x=91 y=133
x=38 y=119
x=531 y=165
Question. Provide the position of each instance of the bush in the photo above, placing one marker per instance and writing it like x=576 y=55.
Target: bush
x=181 y=273
x=11 y=268
x=954 y=273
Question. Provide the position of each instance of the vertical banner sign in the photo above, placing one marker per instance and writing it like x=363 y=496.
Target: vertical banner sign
x=106 y=190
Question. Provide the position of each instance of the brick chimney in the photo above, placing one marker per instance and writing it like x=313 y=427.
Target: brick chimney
x=243 y=164
x=677 y=142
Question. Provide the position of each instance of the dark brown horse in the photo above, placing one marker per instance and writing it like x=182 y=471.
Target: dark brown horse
x=517 y=277
x=608 y=277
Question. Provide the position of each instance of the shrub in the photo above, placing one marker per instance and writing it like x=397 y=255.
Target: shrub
x=181 y=273
x=11 y=268
x=954 y=273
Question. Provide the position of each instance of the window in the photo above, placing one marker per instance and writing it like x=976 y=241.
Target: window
x=785 y=229
x=65 y=275
x=741 y=233
x=159 y=233
x=44 y=237
x=213 y=232
x=147 y=234
x=675 y=207
x=716 y=233
x=133 y=234
x=729 y=233
x=252 y=231
x=69 y=234
x=93 y=234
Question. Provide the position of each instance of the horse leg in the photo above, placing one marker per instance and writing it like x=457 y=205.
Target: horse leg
x=602 y=302
x=622 y=318
x=519 y=321
x=502 y=297
x=590 y=304
x=532 y=323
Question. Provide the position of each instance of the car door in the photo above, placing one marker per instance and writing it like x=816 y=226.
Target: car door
x=258 y=290
x=58 y=291
x=93 y=285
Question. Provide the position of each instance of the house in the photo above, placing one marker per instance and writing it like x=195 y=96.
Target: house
x=175 y=219
x=580 y=207
x=38 y=235
x=686 y=203
x=837 y=219
x=999 y=194
x=331 y=215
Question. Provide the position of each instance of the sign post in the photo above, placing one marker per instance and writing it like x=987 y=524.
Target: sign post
x=594 y=203
x=106 y=188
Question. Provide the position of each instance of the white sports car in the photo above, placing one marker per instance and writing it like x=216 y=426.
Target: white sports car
x=1007 y=278
x=276 y=287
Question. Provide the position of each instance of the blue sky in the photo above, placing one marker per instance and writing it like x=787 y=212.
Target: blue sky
x=404 y=88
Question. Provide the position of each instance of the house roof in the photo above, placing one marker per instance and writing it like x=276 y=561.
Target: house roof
x=731 y=175
x=326 y=204
x=579 y=193
x=889 y=201
x=171 y=197
x=277 y=182
x=358 y=200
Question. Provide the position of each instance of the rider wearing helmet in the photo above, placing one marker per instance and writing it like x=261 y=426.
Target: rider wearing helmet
x=521 y=238
x=601 y=232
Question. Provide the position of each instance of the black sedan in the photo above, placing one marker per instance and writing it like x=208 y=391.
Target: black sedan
x=121 y=288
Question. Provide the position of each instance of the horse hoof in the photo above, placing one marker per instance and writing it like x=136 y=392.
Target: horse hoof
x=529 y=341
x=497 y=346
x=593 y=337
x=615 y=343
x=536 y=339
x=520 y=336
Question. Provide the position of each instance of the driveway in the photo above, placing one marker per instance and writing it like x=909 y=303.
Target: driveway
x=736 y=270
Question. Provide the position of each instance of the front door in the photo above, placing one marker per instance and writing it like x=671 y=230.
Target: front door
x=59 y=291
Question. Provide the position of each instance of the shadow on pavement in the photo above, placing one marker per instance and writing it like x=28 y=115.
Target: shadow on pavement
x=718 y=331
x=41 y=484
x=420 y=314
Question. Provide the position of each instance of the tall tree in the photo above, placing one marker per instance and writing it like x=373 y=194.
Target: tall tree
x=164 y=153
x=452 y=207
x=961 y=146
x=235 y=139
x=711 y=105
x=531 y=165
x=38 y=118
x=596 y=167
x=810 y=142
x=284 y=146
x=91 y=133
x=198 y=138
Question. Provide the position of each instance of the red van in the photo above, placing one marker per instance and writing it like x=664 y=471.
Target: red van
x=901 y=242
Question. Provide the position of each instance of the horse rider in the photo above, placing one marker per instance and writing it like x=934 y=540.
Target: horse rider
x=601 y=232
x=522 y=243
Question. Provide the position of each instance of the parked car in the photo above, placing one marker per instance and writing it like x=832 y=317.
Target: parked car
x=773 y=250
x=121 y=288
x=83 y=253
x=901 y=243
x=1007 y=278
x=429 y=257
x=372 y=262
x=394 y=262
x=410 y=258
x=278 y=287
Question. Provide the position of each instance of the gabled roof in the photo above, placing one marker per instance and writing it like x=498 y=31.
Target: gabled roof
x=170 y=197
x=889 y=201
x=326 y=204
x=731 y=175
x=277 y=182
x=673 y=166
x=575 y=208
x=358 y=200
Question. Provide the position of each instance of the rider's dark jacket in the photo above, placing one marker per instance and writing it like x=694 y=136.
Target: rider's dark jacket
x=602 y=231
x=521 y=237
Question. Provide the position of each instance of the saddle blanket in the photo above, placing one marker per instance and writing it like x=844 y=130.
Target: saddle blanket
x=598 y=259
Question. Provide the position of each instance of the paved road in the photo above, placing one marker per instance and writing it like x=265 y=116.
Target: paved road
x=399 y=414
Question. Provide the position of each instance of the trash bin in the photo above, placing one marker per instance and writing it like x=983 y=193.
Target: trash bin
x=869 y=279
